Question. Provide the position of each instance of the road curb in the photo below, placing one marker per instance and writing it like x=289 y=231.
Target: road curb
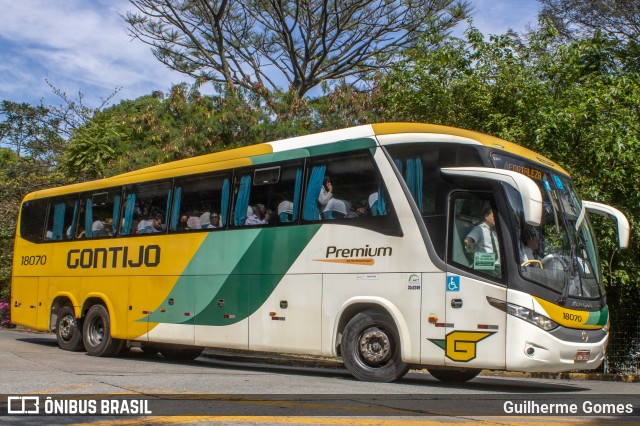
x=279 y=359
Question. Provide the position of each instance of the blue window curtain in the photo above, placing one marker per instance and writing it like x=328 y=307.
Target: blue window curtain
x=116 y=213
x=129 y=209
x=242 y=201
x=381 y=208
x=58 y=220
x=76 y=204
x=296 y=194
x=414 y=180
x=224 y=207
x=398 y=163
x=166 y=210
x=88 y=218
x=311 y=210
x=175 y=211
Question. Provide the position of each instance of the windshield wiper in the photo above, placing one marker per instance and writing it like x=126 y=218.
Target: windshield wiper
x=569 y=276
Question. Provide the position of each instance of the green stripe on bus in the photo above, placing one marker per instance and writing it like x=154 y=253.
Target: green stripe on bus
x=234 y=274
x=278 y=157
x=342 y=146
x=330 y=148
x=598 y=318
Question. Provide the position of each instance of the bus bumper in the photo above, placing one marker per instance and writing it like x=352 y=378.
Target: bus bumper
x=531 y=349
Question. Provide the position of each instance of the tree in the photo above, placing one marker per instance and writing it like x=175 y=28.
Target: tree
x=261 y=45
x=618 y=19
x=30 y=130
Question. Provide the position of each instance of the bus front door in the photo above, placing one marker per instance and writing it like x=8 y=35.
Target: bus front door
x=475 y=330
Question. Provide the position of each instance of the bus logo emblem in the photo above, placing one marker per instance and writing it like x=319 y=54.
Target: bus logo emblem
x=461 y=345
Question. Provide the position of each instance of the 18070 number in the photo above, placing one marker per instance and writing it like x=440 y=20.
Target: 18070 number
x=34 y=260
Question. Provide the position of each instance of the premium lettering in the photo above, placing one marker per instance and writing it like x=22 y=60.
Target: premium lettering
x=114 y=257
x=366 y=251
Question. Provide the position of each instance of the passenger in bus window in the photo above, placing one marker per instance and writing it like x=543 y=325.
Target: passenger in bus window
x=80 y=232
x=215 y=220
x=182 y=223
x=269 y=217
x=108 y=226
x=483 y=237
x=255 y=215
x=362 y=208
x=149 y=226
x=529 y=245
x=326 y=193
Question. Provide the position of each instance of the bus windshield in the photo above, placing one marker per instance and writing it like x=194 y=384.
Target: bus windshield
x=560 y=253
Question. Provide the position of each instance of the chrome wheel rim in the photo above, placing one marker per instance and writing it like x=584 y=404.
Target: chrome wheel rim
x=374 y=346
x=67 y=327
x=96 y=332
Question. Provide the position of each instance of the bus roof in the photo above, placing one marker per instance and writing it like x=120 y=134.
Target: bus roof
x=303 y=146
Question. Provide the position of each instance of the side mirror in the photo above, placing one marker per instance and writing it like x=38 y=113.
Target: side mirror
x=613 y=213
x=528 y=189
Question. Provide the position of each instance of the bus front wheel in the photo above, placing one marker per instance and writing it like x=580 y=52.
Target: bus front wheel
x=69 y=330
x=455 y=375
x=371 y=348
x=97 y=333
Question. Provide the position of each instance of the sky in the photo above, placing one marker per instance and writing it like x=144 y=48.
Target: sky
x=82 y=46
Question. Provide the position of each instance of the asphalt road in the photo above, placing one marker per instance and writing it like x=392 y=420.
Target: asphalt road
x=210 y=390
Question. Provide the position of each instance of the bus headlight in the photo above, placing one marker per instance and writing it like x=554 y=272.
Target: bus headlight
x=524 y=314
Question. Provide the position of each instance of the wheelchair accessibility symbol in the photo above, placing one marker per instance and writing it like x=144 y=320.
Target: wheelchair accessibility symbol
x=453 y=283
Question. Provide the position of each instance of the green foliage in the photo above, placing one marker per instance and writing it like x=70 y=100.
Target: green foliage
x=18 y=177
x=576 y=103
x=156 y=129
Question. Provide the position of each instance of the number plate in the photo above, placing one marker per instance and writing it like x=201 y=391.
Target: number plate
x=582 y=356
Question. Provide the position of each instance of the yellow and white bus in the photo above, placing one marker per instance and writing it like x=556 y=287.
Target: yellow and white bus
x=363 y=243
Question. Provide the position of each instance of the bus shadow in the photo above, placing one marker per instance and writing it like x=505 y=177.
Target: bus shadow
x=493 y=384
x=414 y=378
x=42 y=341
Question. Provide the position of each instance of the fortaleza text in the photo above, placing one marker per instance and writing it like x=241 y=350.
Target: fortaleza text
x=587 y=407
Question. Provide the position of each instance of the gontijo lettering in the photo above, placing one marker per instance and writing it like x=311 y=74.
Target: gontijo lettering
x=114 y=257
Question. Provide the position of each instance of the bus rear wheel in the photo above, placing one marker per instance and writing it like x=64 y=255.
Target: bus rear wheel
x=69 y=330
x=97 y=333
x=454 y=375
x=371 y=348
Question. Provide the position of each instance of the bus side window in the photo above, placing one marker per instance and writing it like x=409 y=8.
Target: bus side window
x=268 y=196
x=345 y=187
x=32 y=220
x=146 y=208
x=200 y=203
x=99 y=214
x=61 y=218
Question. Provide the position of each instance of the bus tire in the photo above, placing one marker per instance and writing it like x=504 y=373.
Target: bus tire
x=181 y=354
x=454 y=375
x=97 y=333
x=69 y=330
x=371 y=348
